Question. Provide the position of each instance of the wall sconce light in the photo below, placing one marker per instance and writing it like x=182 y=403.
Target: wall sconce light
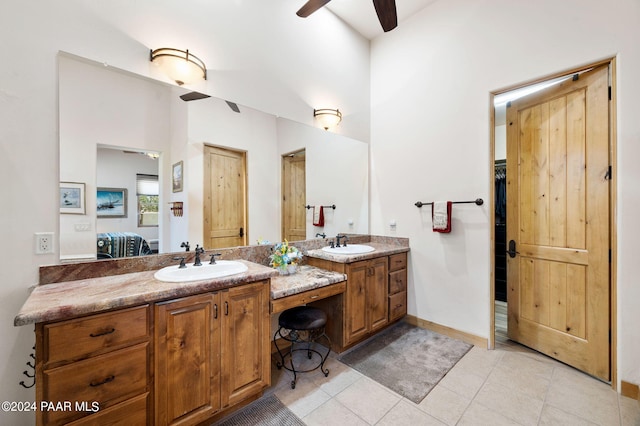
x=328 y=117
x=180 y=65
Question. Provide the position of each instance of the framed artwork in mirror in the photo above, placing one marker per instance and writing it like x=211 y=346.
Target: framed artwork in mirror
x=72 y=198
x=111 y=202
x=177 y=174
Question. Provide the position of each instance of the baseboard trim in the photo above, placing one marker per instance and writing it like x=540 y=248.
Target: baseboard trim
x=630 y=390
x=472 y=339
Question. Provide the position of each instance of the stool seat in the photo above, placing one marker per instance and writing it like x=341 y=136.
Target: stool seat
x=302 y=318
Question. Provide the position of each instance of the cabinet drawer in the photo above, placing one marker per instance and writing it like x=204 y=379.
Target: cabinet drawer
x=397 y=305
x=397 y=261
x=132 y=412
x=77 y=338
x=279 y=305
x=397 y=281
x=106 y=379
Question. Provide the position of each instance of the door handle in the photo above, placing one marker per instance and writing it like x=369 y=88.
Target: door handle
x=242 y=232
x=512 y=249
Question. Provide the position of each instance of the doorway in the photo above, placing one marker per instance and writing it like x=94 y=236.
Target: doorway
x=294 y=226
x=559 y=200
x=224 y=198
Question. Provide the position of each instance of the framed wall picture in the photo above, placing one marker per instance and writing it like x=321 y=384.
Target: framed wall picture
x=177 y=176
x=72 y=198
x=111 y=202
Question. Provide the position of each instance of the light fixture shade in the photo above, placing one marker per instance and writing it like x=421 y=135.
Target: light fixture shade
x=180 y=65
x=327 y=117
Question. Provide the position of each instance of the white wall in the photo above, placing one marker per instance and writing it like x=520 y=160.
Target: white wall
x=336 y=170
x=212 y=122
x=259 y=53
x=431 y=80
x=99 y=106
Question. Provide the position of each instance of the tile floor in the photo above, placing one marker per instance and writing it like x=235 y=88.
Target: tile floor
x=511 y=385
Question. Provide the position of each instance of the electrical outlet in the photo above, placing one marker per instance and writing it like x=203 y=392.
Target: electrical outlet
x=44 y=242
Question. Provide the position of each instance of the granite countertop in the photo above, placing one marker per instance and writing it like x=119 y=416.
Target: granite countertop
x=381 y=249
x=63 y=300
x=307 y=278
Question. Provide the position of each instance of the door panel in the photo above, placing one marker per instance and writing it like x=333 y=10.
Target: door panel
x=224 y=198
x=558 y=214
x=294 y=225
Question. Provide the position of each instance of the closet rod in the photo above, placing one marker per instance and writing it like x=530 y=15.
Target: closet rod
x=477 y=201
x=333 y=206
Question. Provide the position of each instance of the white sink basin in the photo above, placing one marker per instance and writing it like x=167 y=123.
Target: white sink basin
x=222 y=268
x=349 y=249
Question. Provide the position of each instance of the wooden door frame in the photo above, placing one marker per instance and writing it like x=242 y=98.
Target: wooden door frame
x=612 y=204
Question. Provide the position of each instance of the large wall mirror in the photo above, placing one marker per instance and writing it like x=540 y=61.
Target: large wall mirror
x=119 y=131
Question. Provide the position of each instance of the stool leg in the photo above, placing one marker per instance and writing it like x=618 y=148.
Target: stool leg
x=325 y=371
x=293 y=368
x=279 y=364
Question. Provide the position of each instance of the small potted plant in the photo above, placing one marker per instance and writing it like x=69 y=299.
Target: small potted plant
x=285 y=258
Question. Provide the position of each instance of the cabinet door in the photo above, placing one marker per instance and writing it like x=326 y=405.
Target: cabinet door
x=187 y=359
x=246 y=369
x=356 y=301
x=377 y=294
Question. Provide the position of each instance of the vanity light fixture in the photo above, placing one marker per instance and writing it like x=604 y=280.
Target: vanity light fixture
x=328 y=117
x=180 y=65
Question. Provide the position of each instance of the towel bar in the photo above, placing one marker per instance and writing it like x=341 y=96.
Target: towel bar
x=333 y=206
x=477 y=201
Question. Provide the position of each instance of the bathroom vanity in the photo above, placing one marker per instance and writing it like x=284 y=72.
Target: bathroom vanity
x=115 y=345
x=375 y=293
x=131 y=348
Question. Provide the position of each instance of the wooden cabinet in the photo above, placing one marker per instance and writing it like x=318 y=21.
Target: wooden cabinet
x=366 y=298
x=212 y=352
x=93 y=369
x=375 y=296
x=187 y=348
x=397 y=286
x=207 y=353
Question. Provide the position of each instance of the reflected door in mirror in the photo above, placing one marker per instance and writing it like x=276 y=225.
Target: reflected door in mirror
x=294 y=197
x=224 y=198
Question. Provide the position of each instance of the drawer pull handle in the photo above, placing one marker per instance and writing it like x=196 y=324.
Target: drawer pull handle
x=226 y=308
x=104 y=333
x=315 y=296
x=106 y=380
x=215 y=311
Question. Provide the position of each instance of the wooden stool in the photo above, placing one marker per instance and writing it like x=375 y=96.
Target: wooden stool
x=304 y=325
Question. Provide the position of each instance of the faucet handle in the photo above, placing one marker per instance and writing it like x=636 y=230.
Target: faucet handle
x=213 y=258
x=182 y=264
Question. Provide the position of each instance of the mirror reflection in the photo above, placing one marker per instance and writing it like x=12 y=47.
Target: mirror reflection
x=120 y=131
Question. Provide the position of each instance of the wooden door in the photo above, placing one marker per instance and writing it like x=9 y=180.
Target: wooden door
x=378 y=294
x=246 y=345
x=187 y=382
x=558 y=218
x=224 y=198
x=294 y=224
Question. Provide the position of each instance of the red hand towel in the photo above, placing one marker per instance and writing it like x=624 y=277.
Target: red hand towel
x=318 y=216
x=441 y=216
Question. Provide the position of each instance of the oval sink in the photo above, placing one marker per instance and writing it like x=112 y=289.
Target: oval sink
x=349 y=249
x=222 y=268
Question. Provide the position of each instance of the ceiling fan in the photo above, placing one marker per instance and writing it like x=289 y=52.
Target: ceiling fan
x=386 y=10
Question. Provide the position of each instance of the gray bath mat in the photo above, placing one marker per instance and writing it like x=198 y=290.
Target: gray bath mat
x=268 y=411
x=406 y=359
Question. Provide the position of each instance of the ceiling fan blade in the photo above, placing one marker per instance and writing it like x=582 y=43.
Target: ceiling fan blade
x=310 y=7
x=387 y=14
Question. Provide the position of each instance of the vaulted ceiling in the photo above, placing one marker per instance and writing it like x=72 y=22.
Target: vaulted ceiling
x=361 y=14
